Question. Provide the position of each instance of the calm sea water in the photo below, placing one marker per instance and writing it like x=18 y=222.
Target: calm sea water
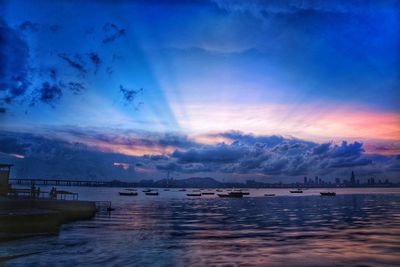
x=358 y=227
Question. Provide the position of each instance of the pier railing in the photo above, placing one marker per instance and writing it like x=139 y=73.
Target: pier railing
x=57 y=182
x=37 y=194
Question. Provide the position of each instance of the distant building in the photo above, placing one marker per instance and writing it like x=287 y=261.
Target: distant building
x=337 y=180
x=353 y=178
x=316 y=179
x=305 y=179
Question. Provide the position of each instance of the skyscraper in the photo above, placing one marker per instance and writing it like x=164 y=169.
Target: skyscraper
x=353 y=178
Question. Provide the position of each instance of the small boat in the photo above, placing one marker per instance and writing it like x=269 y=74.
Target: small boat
x=269 y=195
x=220 y=190
x=166 y=189
x=196 y=190
x=182 y=190
x=193 y=194
x=244 y=192
x=232 y=195
x=207 y=193
x=128 y=193
x=146 y=190
x=297 y=191
x=152 y=193
x=328 y=194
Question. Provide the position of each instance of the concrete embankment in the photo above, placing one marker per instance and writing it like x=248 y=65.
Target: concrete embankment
x=26 y=217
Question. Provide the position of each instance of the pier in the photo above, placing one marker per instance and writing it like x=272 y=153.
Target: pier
x=58 y=182
x=28 y=212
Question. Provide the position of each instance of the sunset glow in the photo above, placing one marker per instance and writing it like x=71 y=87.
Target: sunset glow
x=219 y=88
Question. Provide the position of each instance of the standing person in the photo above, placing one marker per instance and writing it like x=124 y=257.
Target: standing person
x=33 y=190
x=52 y=193
x=55 y=193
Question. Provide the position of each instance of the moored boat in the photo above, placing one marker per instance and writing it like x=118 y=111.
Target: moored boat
x=297 y=191
x=193 y=194
x=128 y=193
x=232 y=195
x=207 y=193
x=328 y=193
x=151 y=193
x=269 y=195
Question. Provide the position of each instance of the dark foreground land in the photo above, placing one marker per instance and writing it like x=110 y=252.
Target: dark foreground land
x=27 y=217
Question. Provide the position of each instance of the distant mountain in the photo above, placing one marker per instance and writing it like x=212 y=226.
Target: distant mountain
x=189 y=182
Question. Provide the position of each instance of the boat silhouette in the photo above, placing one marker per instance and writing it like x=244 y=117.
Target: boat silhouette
x=297 y=191
x=128 y=193
x=328 y=193
x=232 y=194
x=193 y=194
x=151 y=193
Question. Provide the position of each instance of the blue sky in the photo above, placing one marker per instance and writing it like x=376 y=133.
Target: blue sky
x=320 y=71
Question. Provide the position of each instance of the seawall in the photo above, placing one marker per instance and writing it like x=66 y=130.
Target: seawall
x=26 y=217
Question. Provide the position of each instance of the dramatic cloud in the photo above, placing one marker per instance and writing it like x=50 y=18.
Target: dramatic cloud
x=75 y=63
x=14 y=65
x=129 y=95
x=113 y=32
x=27 y=25
x=19 y=80
x=76 y=87
x=43 y=157
x=55 y=28
x=48 y=93
x=287 y=160
x=53 y=73
x=220 y=154
x=95 y=59
x=262 y=8
x=276 y=156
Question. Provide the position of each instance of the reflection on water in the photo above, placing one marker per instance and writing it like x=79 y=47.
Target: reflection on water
x=346 y=230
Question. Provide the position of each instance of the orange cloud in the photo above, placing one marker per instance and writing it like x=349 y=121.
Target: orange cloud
x=124 y=165
x=314 y=122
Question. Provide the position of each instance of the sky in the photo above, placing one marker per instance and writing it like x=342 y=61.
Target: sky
x=234 y=90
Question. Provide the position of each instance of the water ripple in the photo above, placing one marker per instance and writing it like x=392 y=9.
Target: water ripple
x=348 y=230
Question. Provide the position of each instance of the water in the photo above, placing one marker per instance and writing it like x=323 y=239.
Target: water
x=358 y=227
